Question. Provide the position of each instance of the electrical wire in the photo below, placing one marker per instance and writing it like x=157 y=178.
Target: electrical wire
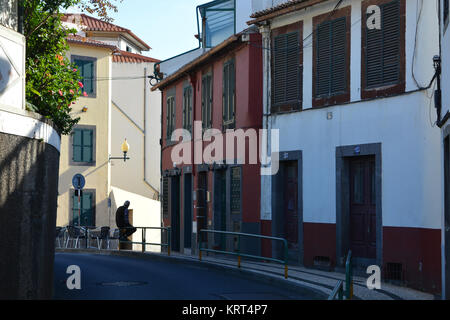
x=308 y=36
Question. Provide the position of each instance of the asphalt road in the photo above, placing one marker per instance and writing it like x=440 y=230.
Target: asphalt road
x=113 y=277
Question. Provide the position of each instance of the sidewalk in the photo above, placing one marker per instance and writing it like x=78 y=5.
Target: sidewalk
x=316 y=279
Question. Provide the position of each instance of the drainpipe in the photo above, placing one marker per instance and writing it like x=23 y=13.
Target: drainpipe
x=266 y=205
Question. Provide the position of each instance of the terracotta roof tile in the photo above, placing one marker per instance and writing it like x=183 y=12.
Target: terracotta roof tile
x=94 y=24
x=89 y=42
x=128 y=57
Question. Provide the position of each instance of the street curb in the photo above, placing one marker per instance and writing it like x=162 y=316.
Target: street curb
x=252 y=275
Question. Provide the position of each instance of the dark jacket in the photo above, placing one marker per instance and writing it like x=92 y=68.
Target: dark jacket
x=122 y=217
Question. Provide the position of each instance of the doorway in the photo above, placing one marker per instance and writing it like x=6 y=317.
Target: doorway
x=447 y=214
x=363 y=217
x=220 y=208
x=359 y=224
x=175 y=213
x=187 y=211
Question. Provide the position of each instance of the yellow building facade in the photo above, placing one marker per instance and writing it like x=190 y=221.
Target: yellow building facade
x=86 y=151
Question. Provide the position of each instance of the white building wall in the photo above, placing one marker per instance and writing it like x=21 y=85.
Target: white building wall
x=129 y=96
x=12 y=69
x=410 y=168
x=403 y=124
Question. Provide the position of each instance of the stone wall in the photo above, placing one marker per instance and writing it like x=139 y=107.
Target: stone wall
x=28 y=200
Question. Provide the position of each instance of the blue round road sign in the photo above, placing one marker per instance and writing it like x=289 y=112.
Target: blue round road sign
x=78 y=181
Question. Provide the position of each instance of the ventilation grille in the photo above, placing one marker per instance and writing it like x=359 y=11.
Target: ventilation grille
x=393 y=272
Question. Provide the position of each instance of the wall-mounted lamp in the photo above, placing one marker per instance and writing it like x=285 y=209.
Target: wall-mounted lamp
x=125 y=148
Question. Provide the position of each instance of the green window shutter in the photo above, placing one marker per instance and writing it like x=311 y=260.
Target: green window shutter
x=87 y=155
x=87 y=73
x=87 y=212
x=225 y=108
x=75 y=210
x=191 y=96
x=383 y=48
x=204 y=102
x=185 y=106
x=77 y=152
x=209 y=109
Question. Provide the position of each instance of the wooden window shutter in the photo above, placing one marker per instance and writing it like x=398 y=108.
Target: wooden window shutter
x=331 y=58
x=210 y=102
x=287 y=77
x=446 y=10
x=383 y=48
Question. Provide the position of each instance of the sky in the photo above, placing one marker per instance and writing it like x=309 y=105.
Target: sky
x=167 y=26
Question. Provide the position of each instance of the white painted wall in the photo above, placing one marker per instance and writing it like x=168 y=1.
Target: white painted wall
x=410 y=168
x=129 y=97
x=411 y=176
x=12 y=69
x=146 y=213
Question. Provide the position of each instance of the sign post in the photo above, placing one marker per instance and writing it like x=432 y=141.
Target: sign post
x=78 y=182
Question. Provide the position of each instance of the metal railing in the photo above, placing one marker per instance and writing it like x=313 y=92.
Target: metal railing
x=143 y=243
x=238 y=252
x=340 y=290
x=84 y=233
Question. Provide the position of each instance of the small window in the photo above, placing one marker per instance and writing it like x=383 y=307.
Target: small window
x=129 y=49
x=87 y=69
x=170 y=117
x=83 y=209
x=83 y=146
x=229 y=88
x=187 y=109
x=207 y=98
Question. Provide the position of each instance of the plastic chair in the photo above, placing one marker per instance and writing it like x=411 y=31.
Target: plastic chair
x=59 y=232
x=103 y=235
x=74 y=234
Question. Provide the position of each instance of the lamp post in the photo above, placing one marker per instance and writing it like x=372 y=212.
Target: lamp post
x=125 y=148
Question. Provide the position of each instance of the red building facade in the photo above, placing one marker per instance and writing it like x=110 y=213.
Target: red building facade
x=220 y=90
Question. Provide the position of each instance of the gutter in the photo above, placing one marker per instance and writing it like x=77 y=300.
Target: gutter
x=196 y=62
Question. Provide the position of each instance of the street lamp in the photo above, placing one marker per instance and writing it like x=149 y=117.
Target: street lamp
x=125 y=147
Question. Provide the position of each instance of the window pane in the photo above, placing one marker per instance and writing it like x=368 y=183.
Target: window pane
x=77 y=137
x=87 y=154
x=77 y=154
x=87 y=137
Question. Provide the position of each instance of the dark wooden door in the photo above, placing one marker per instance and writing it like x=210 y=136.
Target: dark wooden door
x=291 y=204
x=187 y=210
x=175 y=213
x=363 y=220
